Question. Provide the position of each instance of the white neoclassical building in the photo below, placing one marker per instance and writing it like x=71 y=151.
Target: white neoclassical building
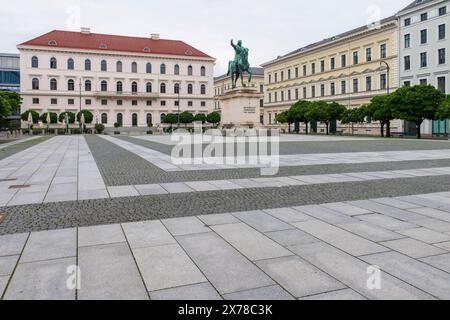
x=128 y=80
x=423 y=56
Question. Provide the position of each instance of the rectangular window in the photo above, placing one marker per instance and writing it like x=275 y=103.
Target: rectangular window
x=355 y=57
x=134 y=103
x=442 y=11
x=441 y=56
x=333 y=63
x=368 y=54
x=119 y=102
x=104 y=102
x=355 y=85
x=53 y=101
x=383 y=51
x=176 y=103
x=190 y=103
x=383 y=81
x=423 y=82
x=407 y=22
x=289 y=74
x=441 y=84
x=407 y=63
x=270 y=78
x=343 y=61
x=88 y=102
x=368 y=83
x=203 y=104
x=70 y=102
x=313 y=91
x=282 y=96
x=343 y=87
x=296 y=94
x=423 y=36
x=282 y=75
x=333 y=89
x=407 y=84
x=276 y=96
x=441 y=32
x=424 y=16
x=322 y=90
x=407 y=41
x=163 y=103
x=276 y=77
x=289 y=95
x=35 y=100
x=261 y=88
x=296 y=72
x=423 y=60
x=270 y=98
x=304 y=93
x=322 y=66
x=313 y=68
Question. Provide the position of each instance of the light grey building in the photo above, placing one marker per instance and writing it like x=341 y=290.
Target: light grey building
x=423 y=55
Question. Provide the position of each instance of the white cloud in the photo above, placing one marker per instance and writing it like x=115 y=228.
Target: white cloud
x=268 y=28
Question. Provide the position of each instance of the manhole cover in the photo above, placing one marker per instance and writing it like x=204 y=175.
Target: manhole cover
x=2 y=217
x=5 y=180
x=21 y=186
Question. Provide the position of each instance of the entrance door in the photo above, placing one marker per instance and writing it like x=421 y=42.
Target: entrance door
x=134 y=120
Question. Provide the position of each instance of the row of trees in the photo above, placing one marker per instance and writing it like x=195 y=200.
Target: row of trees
x=415 y=104
x=187 y=118
x=54 y=118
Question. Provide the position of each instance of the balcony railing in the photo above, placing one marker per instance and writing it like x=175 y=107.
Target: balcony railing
x=126 y=94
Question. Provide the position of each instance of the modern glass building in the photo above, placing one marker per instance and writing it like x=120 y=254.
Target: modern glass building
x=10 y=78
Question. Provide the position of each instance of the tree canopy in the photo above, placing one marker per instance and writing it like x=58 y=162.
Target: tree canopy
x=88 y=116
x=213 y=118
x=9 y=102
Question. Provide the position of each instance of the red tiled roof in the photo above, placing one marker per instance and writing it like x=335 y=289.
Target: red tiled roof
x=93 y=41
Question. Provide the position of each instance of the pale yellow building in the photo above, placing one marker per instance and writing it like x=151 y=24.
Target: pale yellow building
x=222 y=84
x=350 y=68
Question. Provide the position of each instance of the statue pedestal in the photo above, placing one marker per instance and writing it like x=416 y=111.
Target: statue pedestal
x=240 y=108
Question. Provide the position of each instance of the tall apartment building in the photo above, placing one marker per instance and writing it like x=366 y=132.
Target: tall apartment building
x=128 y=80
x=350 y=68
x=424 y=46
x=223 y=83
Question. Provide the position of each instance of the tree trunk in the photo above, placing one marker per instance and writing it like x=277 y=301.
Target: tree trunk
x=419 y=134
x=289 y=128
x=388 y=129
x=382 y=129
x=306 y=126
x=328 y=127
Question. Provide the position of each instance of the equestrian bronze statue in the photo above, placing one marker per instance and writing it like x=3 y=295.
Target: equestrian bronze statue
x=239 y=65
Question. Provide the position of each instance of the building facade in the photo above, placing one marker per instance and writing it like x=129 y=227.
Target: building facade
x=350 y=68
x=127 y=80
x=223 y=83
x=424 y=46
x=10 y=79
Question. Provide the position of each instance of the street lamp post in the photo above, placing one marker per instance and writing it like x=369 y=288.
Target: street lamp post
x=388 y=68
x=79 y=85
x=179 y=88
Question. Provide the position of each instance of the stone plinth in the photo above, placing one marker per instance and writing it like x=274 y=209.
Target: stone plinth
x=240 y=108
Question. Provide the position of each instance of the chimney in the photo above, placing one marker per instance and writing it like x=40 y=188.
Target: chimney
x=86 y=30
x=155 y=36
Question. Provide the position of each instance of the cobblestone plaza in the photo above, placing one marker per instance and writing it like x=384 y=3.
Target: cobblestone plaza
x=138 y=226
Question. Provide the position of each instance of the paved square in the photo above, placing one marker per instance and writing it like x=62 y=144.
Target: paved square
x=102 y=217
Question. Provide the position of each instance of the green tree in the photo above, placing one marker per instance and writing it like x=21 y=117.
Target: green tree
x=381 y=109
x=186 y=118
x=355 y=115
x=70 y=115
x=283 y=118
x=200 y=117
x=319 y=112
x=34 y=115
x=9 y=102
x=335 y=112
x=213 y=118
x=171 y=119
x=299 y=112
x=88 y=116
x=53 y=117
x=5 y=107
x=443 y=112
x=417 y=103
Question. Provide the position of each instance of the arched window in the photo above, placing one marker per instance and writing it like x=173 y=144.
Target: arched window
x=104 y=86
x=35 y=84
x=119 y=87
x=87 y=65
x=104 y=65
x=70 y=64
x=148 y=87
x=149 y=119
x=162 y=88
x=176 y=88
x=53 y=63
x=134 y=87
x=190 y=88
x=203 y=71
x=163 y=116
x=119 y=66
x=176 y=70
x=104 y=118
x=53 y=85
x=148 y=68
x=70 y=85
x=120 y=119
x=190 y=71
x=87 y=85
x=202 y=89
x=134 y=67
x=35 y=62
x=134 y=120
x=163 y=69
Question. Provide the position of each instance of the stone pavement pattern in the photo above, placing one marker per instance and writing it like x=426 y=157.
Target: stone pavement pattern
x=307 y=252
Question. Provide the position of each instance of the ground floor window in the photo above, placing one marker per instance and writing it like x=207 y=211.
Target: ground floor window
x=120 y=119
x=149 y=118
x=104 y=118
x=440 y=127
x=134 y=120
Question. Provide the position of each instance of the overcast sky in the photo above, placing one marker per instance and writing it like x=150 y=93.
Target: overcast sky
x=267 y=27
